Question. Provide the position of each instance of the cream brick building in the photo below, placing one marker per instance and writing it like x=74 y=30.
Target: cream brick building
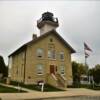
x=46 y=58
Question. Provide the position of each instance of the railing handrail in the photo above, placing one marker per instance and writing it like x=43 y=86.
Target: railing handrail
x=62 y=77
x=54 y=20
x=54 y=76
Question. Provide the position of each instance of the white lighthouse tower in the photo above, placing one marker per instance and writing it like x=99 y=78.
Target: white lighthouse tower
x=47 y=22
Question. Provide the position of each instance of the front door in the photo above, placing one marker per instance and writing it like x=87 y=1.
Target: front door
x=52 y=69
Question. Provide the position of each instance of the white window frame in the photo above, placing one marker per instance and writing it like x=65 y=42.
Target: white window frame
x=61 y=56
x=62 y=69
x=40 y=52
x=49 y=53
x=52 y=54
x=40 y=69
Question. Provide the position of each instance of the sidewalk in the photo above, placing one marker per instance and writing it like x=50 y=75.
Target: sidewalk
x=40 y=95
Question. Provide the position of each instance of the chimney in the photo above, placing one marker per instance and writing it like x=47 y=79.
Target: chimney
x=34 y=36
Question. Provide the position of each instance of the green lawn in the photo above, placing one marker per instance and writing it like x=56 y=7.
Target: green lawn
x=47 y=88
x=4 y=89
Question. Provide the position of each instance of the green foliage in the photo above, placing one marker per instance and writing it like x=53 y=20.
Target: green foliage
x=91 y=71
x=82 y=69
x=96 y=74
x=3 y=67
x=78 y=69
x=75 y=72
x=4 y=89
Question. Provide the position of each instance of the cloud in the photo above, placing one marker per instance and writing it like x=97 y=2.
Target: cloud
x=79 y=22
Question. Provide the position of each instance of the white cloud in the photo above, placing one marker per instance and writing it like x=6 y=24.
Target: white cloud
x=79 y=22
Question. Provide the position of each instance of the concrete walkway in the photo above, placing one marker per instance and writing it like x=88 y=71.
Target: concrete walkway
x=42 y=95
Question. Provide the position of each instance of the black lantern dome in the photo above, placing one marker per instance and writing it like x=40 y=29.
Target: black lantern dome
x=47 y=17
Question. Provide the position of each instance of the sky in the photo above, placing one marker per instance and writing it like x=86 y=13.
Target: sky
x=79 y=22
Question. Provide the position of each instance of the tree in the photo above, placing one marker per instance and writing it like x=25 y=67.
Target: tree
x=3 y=67
x=75 y=72
x=82 y=69
x=96 y=74
x=91 y=71
x=78 y=69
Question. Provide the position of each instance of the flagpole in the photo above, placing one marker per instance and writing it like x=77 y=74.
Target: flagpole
x=85 y=61
x=85 y=57
x=87 y=48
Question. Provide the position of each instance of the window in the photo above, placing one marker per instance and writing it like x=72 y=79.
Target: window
x=39 y=53
x=51 y=54
x=61 y=55
x=62 y=69
x=51 y=40
x=39 y=69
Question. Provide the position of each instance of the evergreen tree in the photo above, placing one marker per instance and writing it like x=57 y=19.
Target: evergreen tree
x=3 y=67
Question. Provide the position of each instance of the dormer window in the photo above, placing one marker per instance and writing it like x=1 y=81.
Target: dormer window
x=40 y=53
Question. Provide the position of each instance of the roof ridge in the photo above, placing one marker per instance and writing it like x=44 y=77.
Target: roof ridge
x=41 y=36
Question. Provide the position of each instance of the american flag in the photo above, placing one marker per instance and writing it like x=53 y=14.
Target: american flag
x=86 y=55
x=86 y=47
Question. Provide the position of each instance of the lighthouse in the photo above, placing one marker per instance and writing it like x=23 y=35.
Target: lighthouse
x=47 y=23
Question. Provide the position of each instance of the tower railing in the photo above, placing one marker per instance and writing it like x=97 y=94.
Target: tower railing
x=53 y=20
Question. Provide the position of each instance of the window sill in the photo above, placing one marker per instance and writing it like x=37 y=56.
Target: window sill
x=40 y=58
x=51 y=59
x=40 y=74
x=62 y=60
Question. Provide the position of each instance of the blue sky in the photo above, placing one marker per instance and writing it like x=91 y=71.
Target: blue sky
x=79 y=21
